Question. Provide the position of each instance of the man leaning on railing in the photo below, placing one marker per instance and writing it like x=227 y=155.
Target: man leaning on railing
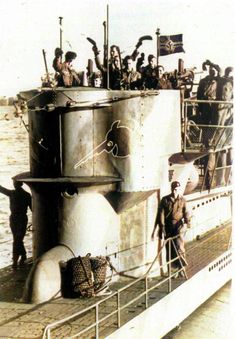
x=171 y=219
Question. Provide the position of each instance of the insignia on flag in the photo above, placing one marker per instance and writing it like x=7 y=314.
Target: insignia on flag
x=170 y=44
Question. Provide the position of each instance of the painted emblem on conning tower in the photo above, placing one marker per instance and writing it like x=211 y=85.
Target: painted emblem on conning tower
x=116 y=142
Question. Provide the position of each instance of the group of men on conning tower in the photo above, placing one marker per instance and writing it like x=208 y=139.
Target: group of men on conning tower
x=122 y=73
x=214 y=86
x=128 y=73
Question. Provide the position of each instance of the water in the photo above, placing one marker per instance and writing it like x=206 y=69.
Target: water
x=14 y=159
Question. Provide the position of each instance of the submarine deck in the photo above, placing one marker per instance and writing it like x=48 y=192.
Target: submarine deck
x=20 y=320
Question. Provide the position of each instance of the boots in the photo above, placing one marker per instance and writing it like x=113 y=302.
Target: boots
x=22 y=259
x=15 y=260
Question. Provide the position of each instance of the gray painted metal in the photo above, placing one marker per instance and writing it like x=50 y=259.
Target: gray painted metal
x=153 y=322
x=72 y=140
x=87 y=143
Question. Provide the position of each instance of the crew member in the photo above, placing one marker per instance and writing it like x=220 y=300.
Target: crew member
x=20 y=200
x=57 y=59
x=116 y=74
x=67 y=76
x=207 y=90
x=96 y=79
x=171 y=217
x=163 y=81
x=114 y=67
x=139 y=63
x=228 y=73
x=131 y=79
x=149 y=73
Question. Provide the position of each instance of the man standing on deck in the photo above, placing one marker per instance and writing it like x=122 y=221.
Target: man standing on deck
x=20 y=200
x=171 y=217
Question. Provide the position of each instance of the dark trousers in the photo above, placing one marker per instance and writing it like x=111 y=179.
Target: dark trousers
x=172 y=247
x=18 y=229
x=18 y=243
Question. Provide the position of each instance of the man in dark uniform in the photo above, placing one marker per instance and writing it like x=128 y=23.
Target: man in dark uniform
x=115 y=74
x=207 y=90
x=150 y=73
x=171 y=217
x=115 y=67
x=20 y=200
x=131 y=79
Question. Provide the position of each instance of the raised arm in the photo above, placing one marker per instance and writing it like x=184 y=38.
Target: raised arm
x=57 y=62
x=98 y=64
x=5 y=191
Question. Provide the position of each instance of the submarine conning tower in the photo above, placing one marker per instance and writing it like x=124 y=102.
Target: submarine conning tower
x=96 y=158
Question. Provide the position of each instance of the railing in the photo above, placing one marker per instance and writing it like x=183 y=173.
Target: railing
x=119 y=308
x=217 y=176
x=211 y=142
x=198 y=136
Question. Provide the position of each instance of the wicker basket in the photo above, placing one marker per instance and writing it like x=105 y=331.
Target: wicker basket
x=99 y=269
x=85 y=276
x=82 y=276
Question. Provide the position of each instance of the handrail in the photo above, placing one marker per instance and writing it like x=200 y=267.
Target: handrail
x=119 y=308
x=214 y=126
x=218 y=135
x=47 y=330
x=208 y=101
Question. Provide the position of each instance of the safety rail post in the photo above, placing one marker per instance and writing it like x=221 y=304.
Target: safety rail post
x=97 y=321
x=146 y=291
x=185 y=125
x=48 y=334
x=229 y=175
x=169 y=267
x=118 y=310
x=204 y=179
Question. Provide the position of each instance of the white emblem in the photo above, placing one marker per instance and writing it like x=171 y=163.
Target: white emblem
x=169 y=45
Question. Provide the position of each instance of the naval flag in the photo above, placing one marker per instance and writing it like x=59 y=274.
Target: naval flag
x=170 y=44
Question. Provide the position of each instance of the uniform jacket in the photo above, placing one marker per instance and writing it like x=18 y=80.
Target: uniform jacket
x=149 y=76
x=172 y=214
x=20 y=200
x=131 y=79
x=164 y=83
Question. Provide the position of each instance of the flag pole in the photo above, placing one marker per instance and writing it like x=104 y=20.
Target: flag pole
x=158 y=45
x=105 y=43
x=61 y=31
x=107 y=37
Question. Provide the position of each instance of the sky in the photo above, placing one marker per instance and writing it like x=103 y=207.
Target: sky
x=28 y=26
